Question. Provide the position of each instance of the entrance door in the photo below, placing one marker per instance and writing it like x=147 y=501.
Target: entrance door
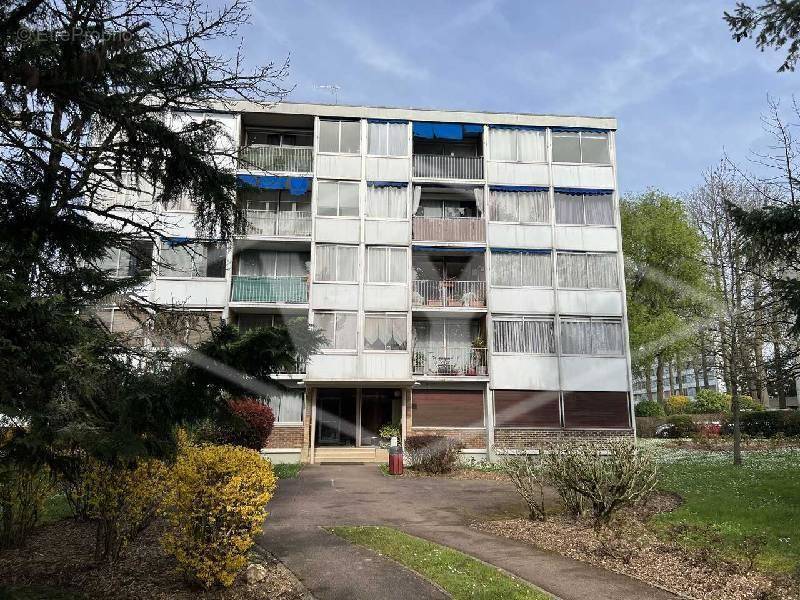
x=379 y=407
x=336 y=417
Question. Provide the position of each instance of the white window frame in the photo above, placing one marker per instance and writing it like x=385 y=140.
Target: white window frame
x=387 y=264
x=336 y=313
x=591 y=320
x=523 y=319
x=517 y=287
x=205 y=245
x=386 y=315
x=580 y=145
x=339 y=144
x=337 y=246
x=302 y=411
x=385 y=154
x=587 y=268
x=368 y=205
x=550 y=210
x=518 y=159
x=338 y=183
x=583 y=198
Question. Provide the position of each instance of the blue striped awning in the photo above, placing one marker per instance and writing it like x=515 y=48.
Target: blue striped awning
x=520 y=251
x=519 y=188
x=297 y=186
x=460 y=249
x=379 y=184
x=583 y=191
x=444 y=131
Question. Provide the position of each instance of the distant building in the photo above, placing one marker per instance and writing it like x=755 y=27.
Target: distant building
x=688 y=383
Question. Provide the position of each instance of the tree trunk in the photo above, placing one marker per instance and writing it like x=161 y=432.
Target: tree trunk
x=660 y=378
x=679 y=378
x=696 y=371
x=648 y=382
x=671 y=379
x=780 y=372
x=704 y=359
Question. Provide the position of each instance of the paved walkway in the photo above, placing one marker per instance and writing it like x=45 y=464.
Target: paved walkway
x=435 y=509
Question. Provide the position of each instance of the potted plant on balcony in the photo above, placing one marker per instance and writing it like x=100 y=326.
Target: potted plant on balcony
x=479 y=355
x=387 y=431
x=445 y=366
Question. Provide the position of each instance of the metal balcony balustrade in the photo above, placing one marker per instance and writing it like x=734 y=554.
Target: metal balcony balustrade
x=287 y=159
x=281 y=223
x=284 y=290
x=450 y=362
x=437 y=166
x=448 y=229
x=452 y=293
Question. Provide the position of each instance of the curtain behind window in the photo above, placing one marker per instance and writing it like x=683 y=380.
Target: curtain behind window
x=386 y=202
x=536 y=270
x=569 y=209
x=599 y=210
x=576 y=337
x=603 y=271
x=531 y=147
x=502 y=144
x=571 y=270
x=607 y=337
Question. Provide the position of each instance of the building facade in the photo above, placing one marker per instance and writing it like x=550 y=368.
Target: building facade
x=465 y=268
x=685 y=380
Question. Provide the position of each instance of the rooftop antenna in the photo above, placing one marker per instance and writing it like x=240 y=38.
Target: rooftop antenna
x=333 y=89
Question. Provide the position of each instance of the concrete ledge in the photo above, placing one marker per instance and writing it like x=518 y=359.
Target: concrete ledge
x=474 y=454
x=282 y=455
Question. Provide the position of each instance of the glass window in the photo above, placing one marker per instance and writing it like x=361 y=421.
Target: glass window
x=336 y=263
x=529 y=335
x=385 y=331
x=387 y=139
x=594 y=148
x=339 y=329
x=287 y=405
x=329 y=136
x=517 y=145
x=387 y=202
x=340 y=136
x=195 y=259
x=351 y=137
x=591 y=336
x=566 y=147
x=520 y=207
x=386 y=264
x=581 y=147
x=584 y=270
x=337 y=199
x=522 y=269
x=579 y=209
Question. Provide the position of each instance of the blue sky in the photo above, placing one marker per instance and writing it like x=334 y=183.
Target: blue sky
x=683 y=91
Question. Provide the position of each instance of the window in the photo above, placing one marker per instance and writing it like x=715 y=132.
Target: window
x=181 y=204
x=581 y=147
x=447 y=408
x=519 y=206
x=287 y=405
x=580 y=209
x=274 y=200
x=524 y=335
x=339 y=329
x=585 y=270
x=195 y=259
x=387 y=139
x=516 y=145
x=337 y=199
x=385 y=331
x=526 y=408
x=522 y=269
x=270 y=263
x=337 y=263
x=386 y=265
x=135 y=260
x=595 y=336
x=340 y=136
x=265 y=137
x=606 y=410
x=387 y=201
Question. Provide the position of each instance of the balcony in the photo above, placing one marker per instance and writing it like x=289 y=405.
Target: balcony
x=449 y=293
x=285 y=159
x=277 y=290
x=450 y=362
x=434 y=166
x=278 y=223
x=448 y=229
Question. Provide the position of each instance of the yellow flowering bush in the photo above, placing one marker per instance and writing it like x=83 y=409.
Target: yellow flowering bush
x=678 y=405
x=123 y=500
x=217 y=504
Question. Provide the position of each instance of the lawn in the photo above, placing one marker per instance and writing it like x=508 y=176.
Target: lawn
x=287 y=471
x=461 y=576
x=729 y=507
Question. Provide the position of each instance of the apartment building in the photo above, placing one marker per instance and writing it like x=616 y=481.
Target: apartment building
x=683 y=381
x=465 y=268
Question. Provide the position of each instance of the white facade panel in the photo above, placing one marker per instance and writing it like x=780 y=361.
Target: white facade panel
x=524 y=372
x=388 y=232
x=388 y=168
x=515 y=173
x=594 y=373
x=517 y=235
x=583 y=176
x=588 y=238
x=341 y=230
x=340 y=296
x=590 y=302
x=199 y=293
x=386 y=297
x=338 y=166
x=521 y=300
x=371 y=366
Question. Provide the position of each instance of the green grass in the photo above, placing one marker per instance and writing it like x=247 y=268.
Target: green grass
x=36 y=592
x=287 y=471
x=725 y=506
x=461 y=576
x=55 y=508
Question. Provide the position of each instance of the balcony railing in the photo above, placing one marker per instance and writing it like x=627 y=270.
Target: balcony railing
x=285 y=223
x=299 y=366
x=287 y=290
x=449 y=293
x=291 y=159
x=449 y=229
x=434 y=166
x=465 y=362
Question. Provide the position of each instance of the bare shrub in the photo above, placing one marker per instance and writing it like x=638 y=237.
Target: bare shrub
x=528 y=475
x=433 y=454
x=618 y=477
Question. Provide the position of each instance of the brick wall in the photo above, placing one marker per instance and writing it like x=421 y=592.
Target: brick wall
x=286 y=437
x=536 y=438
x=471 y=438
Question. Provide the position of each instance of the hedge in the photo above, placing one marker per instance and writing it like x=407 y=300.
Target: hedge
x=770 y=423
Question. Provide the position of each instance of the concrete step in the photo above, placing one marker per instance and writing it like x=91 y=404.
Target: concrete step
x=350 y=455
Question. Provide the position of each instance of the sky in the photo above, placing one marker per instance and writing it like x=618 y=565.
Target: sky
x=684 y=93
